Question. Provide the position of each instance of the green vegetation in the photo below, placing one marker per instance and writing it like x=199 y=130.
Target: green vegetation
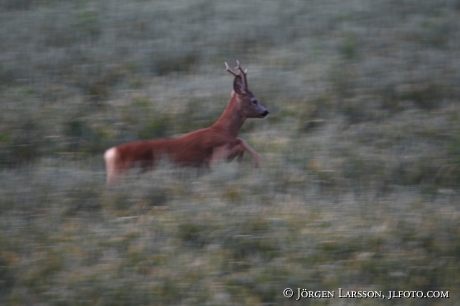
x=360 y=182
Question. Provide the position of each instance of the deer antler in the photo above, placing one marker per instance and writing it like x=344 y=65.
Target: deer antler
x=242 y=72
x=229 y=70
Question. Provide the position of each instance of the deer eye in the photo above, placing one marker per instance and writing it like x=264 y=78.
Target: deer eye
x=254 y=102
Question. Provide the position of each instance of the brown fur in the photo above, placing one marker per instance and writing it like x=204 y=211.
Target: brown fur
x=199 y=148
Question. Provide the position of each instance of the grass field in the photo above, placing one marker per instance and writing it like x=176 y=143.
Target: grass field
x=359 y=186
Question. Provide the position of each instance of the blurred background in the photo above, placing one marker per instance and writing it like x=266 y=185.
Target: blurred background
x=359 y=186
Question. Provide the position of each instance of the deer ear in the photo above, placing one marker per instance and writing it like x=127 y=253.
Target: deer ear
x=238 y=85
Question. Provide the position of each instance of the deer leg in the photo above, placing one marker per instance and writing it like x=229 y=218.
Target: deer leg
x=239 y=146
x=228 y=152
x=236 y=151
x=239 y=150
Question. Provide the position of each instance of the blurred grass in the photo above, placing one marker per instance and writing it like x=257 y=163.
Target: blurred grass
x=359 y=186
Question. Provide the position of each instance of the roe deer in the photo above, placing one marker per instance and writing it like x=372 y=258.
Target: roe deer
x=200 y=148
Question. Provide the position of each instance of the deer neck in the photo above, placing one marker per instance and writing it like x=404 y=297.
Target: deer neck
x=232 y=118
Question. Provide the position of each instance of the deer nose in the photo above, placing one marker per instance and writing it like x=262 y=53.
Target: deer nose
x=265 y=113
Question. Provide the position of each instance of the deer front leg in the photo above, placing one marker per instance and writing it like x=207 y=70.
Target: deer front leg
x=234 y=149
x=238 y=151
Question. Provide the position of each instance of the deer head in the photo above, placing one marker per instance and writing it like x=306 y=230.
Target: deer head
x=249 y=104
